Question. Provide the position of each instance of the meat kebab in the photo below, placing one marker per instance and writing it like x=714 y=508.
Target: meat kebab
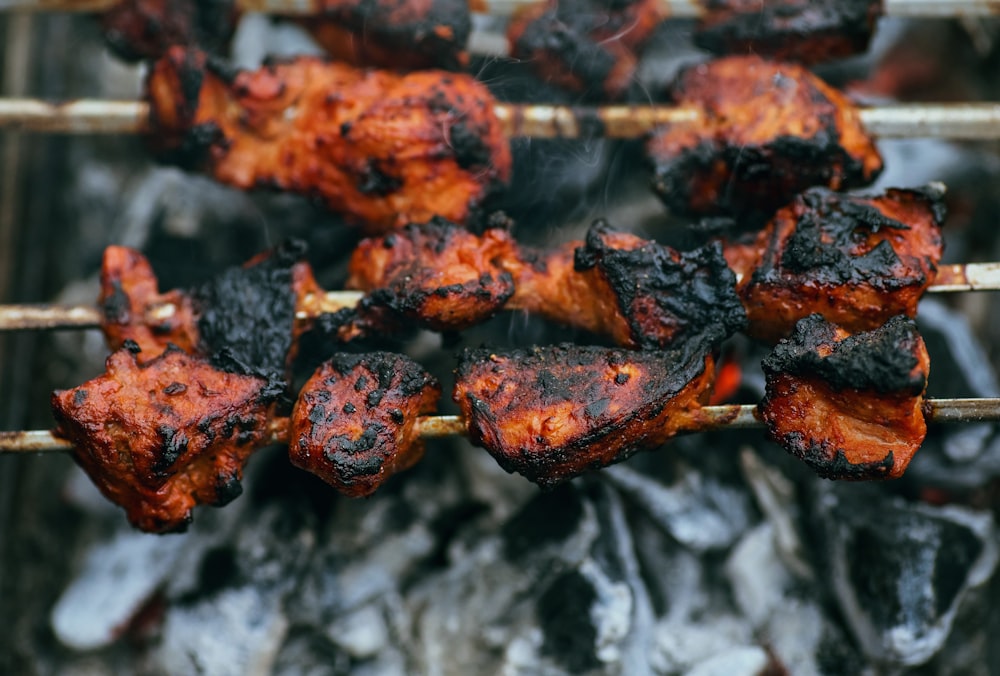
x=382 y=149
x=158 y=438
x=855 y=260
x=764 y=133
x=849 y=406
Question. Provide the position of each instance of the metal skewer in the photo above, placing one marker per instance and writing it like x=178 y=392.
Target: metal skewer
x=671 y=8
x=941 y=120
x=734 y=416
x=950 y=279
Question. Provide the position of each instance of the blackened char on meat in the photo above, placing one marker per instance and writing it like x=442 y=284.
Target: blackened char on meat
x=354 y=422
x=850 y=406
x=552 y=413
x=806 y=31
x=763 y=133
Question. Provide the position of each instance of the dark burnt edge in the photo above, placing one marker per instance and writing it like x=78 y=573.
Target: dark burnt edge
x=482 y=427
x=565 y=36
x=853 y=20
x=374 y=19
x=881 y=360
x=255 y=332
x=831 y=463
x=712 y=311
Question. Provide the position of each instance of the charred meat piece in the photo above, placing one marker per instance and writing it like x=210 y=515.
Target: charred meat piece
x=764 y=133
x=161 y=437
x=855 y=260
x=392 y=34
x=850 y=406
x=437 y=276
x=584 y=45
x=354 y=424
x=806 y=31
x=639 y=293
x=553 y=413
x=243 y=319
x=382 y=149
x=145 y=29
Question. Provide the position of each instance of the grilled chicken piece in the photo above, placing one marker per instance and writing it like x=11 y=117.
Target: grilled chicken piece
x=161 y=437
x=583 y=45
x=850 y=406
x=380 y=148
x=243 y=319
x=806 y=31
x=634 y=291
x=145 y=29
x=764 y=133
x=638 y=293
x=553 y=413
x=354 y=423
x=855 y=260
x=392 y=34
x=437 y=276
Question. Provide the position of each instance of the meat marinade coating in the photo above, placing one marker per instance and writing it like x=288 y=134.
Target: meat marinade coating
x=382 y=149
x=552 y=413
x=583 y=45
x=132 y=307
x=161 y=437
x=806 y=31
x=353 y=424
x=243 y=319
x=764 y=133
x=636 y=292
x=855 y=260
x=436 y=275
x=408 y=34
x=850 y=406
x=145 y=29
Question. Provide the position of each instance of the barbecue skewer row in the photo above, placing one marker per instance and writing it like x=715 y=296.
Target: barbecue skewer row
x=736 y=143
x=957 y=121
x=674 y=8
x=722 y=417
x=955 y=278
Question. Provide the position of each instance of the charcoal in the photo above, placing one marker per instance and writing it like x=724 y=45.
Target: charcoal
x=899 y=571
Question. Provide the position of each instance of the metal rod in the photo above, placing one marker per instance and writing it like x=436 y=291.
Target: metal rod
x=961 y=121
x=36 y=317
x=735 y=416
x=671 y=8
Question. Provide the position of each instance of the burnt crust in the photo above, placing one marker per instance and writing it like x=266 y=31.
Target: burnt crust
x=542 y=384
x=807 y=31
x=693 y=291
x=354 y=422
x=144 y=29
x=882 y=360
x=246 y=315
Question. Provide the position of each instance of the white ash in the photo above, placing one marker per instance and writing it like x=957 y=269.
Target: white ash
x=117 y=578
x=749 y=661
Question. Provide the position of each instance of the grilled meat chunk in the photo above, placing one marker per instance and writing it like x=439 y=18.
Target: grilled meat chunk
x=145 y=29
x=161 y=437
x=243 y=319
x=584 y=45
x=850 y=406
x=553 y=413
x=764 y=133
x=392 y=34
x=132 y=307
x=437 y=276
x=855 y=260
x=354 y=422
x=634 y=291
x=806 y=31
x=380 y=148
